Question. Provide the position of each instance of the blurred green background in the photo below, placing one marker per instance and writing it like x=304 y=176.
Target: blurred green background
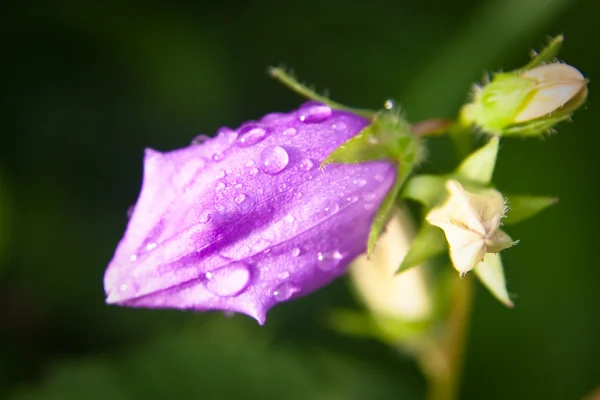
x=88 y=85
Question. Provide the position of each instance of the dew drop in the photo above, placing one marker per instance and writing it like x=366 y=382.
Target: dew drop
x=290 y=132
x=261 y=245
x=329 y=208
x=133 y=258
x=339 y=126
x=329 y=260
x=306 y=164
x=239 y=186
x=204 y=217
x=314 y=112
x=369 y=206
x=218 y=156
x=389 y=104
x=272 y=117
x=228 y=281
x=369 y=196
x=274 y=159
x=254 y=171
x=249 y=163
x=228 y=135
x=251 y=135
x=295 y=252
x=239 y=198
x=360 y=182
x=200 y=139
x=151 y=246
x=351 y=199
x=284 y=291
x=289 y=218
x=283 y=275
x=220 y=186
x=379 y=178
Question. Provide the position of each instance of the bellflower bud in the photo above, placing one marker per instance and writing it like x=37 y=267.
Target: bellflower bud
x=405 y=296
x=528 y=102
x=471 y=222
x=247 y=220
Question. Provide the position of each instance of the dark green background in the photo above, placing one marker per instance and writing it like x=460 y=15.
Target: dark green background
x=87 y=85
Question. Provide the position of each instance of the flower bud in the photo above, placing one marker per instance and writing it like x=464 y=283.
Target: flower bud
x=528 y=102
x=471 y=223
x=248 y=220
x=404 y=296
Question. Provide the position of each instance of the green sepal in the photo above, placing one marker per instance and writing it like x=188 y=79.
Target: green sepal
x=498 y=103
x=288 y=79
x=524 y=207
x=429 y=242
x=365 y=146
x=535 y=127
x=491 y=273
x=479 y=166
x=547 y=54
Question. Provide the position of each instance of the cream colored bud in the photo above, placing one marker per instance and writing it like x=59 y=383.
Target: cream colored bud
x=471 y=223
x=556 y=85
x=405 y=296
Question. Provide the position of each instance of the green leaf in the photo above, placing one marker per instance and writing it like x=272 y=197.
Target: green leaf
x=479 y=166
x=429 y=242
x=547 y=54
x=491 y=273
x=525 y=207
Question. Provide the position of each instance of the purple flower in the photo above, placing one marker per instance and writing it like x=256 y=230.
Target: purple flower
x=247 y=220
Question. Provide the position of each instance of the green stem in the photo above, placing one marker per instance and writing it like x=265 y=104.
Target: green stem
x=442 y=359
x=288 y=80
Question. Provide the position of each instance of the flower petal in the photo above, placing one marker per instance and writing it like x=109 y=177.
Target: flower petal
x=247 y=219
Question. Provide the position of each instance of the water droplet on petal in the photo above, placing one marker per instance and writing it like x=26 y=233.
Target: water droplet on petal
x=200 y=139
x=295 y=252
x=239 y=198
x=290 y=132
x=306 y=164
x=351 y=199
x=204 y=217
x=228 y=281
x=379 y=178
x=220 y=186
x=130 y=210
x=284 y=291
x=218 y=156
x=249 y=163
x=369 y=206
x=388 y=104
x=314 y=112
x=289 y=218
x=228 y=135
x=250 y=135
x=369 y=196
x=261 y=245
x=274 y=159
x=283 y=275
x=272 y=117
x=339 y=126
x=360 y=182
x=151 y=246
x=329 y=208
x=133 y=258
x=254 y=171
x=329 y=260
